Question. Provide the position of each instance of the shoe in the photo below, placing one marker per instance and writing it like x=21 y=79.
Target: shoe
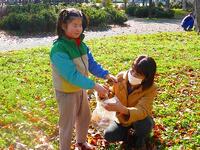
x=84 y=146
x=125 y=146
x=141 y=148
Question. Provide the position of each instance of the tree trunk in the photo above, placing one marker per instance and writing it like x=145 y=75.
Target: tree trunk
x=104 y=3
x=150 y=8
x=150 y=3
x=125 y=3
x=156 y=3
x=184 y=4
x=197 y=15
x=167 y=5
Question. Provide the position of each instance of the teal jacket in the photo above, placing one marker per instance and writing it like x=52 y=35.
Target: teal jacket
x=71 y=64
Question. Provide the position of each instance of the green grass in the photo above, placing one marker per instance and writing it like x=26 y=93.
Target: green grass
x=180 y=13
x=29 y=112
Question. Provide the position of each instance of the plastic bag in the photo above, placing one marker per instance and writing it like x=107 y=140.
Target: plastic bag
x=100 y=115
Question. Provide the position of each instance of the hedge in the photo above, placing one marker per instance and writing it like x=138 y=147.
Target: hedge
x=143 y=12
x=36 y=18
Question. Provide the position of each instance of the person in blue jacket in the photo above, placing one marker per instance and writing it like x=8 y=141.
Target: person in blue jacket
x=188 y=22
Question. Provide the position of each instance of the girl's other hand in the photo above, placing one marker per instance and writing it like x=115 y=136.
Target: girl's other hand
x=102 y=91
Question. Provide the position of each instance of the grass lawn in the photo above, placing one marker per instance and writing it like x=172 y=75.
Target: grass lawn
x=29 y=111
x=180 y=13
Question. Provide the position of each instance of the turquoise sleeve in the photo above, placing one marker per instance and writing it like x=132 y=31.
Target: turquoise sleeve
x=67 y=69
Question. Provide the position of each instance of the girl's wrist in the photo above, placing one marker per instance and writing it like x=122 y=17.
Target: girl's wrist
x=107 y=76
x=124 y=110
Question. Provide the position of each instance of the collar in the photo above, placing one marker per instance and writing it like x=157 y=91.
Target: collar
x=77 y=41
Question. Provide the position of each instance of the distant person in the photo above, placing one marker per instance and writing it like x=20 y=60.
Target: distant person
x=188 y=22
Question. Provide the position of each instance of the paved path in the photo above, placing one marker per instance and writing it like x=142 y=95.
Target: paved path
x=133 y=26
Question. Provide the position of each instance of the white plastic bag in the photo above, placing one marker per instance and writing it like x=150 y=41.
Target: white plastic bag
x=100 y=115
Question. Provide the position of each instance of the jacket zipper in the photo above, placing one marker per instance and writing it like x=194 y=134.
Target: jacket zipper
x=82 y=60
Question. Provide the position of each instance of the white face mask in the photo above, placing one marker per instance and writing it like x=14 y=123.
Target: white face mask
x=133 y=80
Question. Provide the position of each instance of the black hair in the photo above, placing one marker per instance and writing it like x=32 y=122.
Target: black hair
x=145 y=66
x=66 y=15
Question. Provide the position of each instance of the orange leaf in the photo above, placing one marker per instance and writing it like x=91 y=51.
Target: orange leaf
x=11 y=147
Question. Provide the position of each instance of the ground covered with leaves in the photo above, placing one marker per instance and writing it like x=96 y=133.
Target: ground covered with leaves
x=29 y=111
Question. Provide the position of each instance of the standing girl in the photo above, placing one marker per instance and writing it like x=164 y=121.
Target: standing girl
x=71 y=62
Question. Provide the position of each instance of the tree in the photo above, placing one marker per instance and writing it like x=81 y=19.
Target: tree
x=143 y=2
x=167 y=5
x=156 y=3
x=106 y=2
x=125 y=3
x=184 y=4
x=197 y=15
x=150 y=8
x=150 y=3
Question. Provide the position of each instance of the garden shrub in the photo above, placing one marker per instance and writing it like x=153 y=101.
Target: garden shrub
x=130 y=10
x=116 y=16
x=29 y=8
x=176 y=5
x=143 y=12
x=42 y=17
x=160 y=13
x=96 y=16
x=119 y=18
x=44 y=21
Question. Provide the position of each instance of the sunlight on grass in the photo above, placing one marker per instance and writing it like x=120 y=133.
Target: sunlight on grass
x=180 y=13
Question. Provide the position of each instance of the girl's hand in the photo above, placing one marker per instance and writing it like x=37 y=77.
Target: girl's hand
x=118 y=107
x=112 y=78
x=102 y=91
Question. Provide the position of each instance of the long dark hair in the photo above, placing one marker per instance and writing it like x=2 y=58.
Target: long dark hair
x=67 y=15
x=146 y=66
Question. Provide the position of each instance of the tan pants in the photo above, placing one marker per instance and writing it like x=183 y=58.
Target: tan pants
x=74 y=110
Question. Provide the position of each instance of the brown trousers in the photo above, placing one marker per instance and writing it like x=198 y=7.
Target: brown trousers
x=74 y=110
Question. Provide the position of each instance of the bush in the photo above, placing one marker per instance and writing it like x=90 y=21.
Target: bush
x=29 y=8
x=160 y=13
x=44 y=21
x=176 y=5
x=97 y=17
x=130 y=10
x=50 y=20
x=42 y=17
x=119 y=18
x=161 y=5
x=12 y=21
x=116 y=16
x=142 y=12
